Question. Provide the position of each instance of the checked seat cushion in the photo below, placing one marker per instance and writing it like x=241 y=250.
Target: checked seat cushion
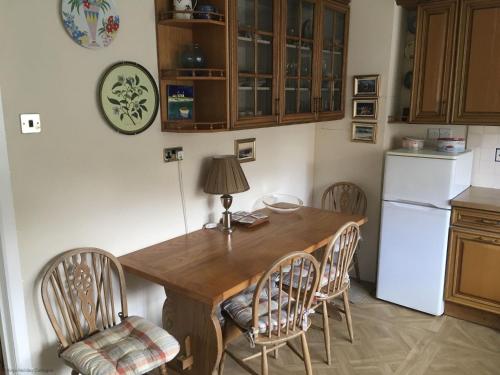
x=135 y=346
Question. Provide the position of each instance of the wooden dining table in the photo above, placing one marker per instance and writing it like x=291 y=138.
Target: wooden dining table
x=203 y=268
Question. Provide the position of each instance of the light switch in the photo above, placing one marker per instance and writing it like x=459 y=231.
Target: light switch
x=30 y=123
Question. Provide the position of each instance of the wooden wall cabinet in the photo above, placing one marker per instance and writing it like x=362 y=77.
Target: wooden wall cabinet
x=477 y=88
x=436 y=23
x=269 y=62
x=473 y=277
x=457 y=62
x=210 y=83
x=288 y=61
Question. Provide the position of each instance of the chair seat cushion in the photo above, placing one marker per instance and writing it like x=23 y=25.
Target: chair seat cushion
x=135 y=346
x=330 y=272
x=239 y=308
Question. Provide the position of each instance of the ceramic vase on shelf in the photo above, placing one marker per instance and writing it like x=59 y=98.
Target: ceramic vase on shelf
x=193 y=57
x=184 y=5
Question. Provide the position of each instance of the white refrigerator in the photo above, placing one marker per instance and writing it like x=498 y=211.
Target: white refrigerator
x=418 y=187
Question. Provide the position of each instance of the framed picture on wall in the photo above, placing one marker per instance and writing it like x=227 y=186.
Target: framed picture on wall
x=180 y=103
x=365 y=109
x=364 y=132
x=244 y=149
x=366 y=86
x=128 y=97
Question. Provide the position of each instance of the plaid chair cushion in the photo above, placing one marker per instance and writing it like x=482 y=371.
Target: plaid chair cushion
x=324 y=280
x=239 y=308
x=135 y=346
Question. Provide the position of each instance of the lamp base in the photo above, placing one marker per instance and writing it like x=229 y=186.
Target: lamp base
x=226 y=227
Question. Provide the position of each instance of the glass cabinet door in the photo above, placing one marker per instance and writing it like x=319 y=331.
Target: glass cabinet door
x=298 y=61
x=335 y=20
x=254 y=74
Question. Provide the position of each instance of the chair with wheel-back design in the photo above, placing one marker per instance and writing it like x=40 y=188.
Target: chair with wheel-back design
x=84 y=293
x=346 y=197
x=271 y=317
x=335 y=265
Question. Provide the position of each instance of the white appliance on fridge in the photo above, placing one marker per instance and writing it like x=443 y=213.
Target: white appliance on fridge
x=416 y=210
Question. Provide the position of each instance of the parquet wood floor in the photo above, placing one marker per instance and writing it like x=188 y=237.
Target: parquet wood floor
x=390 y=339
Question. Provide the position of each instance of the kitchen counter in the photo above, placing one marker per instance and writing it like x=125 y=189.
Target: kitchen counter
x=479 y=198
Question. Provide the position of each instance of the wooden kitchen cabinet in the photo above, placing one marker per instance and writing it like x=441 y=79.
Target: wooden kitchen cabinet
x=456 y=72
x=477 y=84
x=473 y=278
x=334 y=31
x=254 y=35
x=288 y=61
x=431 y=91
x=299 y=64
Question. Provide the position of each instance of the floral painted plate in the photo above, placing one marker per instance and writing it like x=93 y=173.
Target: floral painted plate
x=91 y=23
x=129 y=97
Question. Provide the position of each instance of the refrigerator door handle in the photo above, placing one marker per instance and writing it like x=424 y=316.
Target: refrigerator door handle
x=415 y=205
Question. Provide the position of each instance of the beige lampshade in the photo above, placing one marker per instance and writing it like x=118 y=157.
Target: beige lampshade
x=226 y=176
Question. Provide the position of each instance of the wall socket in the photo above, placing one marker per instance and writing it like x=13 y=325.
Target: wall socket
x=497 y=155
x=173 y=154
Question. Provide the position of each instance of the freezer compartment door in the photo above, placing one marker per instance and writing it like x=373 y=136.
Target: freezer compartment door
x=412 y=257
x=426 y=180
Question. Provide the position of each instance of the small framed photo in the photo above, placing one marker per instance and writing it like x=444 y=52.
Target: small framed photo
x=365 y=109
x=180 y=103
x=244 y=149
x=366 y=86
x=364 y=132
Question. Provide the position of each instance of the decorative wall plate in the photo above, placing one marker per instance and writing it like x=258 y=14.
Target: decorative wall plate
x=91 y=23
x=129 y=97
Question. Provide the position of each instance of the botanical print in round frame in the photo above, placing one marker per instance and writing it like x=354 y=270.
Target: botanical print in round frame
x=129 y=97
x=91 y=23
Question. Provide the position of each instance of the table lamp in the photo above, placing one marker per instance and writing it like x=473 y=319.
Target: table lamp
x=226 y=177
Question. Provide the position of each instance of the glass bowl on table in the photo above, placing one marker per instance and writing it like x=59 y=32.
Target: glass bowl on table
x=282 y=203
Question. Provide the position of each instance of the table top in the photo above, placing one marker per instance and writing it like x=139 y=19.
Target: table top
x=479 y=198
x=210 y=266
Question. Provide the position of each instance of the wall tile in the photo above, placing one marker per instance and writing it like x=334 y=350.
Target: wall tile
x=484 y=140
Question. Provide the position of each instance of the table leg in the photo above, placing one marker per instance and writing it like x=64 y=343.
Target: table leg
x=184 y=316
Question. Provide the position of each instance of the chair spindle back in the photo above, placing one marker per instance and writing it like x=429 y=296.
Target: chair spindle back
x=292 y=308
x=344 y=197
x=78 y=294
x=337 y=258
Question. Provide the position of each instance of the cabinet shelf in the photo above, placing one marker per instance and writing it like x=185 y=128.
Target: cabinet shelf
x=196 y=126
x=189 y=74
x=168 y=19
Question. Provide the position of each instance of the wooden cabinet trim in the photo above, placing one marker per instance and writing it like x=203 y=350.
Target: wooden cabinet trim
x=476 y=219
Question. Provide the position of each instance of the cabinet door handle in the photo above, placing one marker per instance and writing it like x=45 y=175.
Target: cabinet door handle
x=277 y=109
x=487 y=240
x=316 y=105
x=490 y=222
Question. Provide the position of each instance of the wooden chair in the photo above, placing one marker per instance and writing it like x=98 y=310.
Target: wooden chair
x=346 y=197
x=269 y=316
x=78 y=292
x=335 y=267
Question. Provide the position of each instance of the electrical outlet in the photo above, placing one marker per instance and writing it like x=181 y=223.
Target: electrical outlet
x=433 y=133
x=445 y=133
x=497 y=155
x=173 y=154
x=30 y=123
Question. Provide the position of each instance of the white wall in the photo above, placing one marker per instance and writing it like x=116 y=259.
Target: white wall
x=484 y=140
x=79 y=183
x=339 y=159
